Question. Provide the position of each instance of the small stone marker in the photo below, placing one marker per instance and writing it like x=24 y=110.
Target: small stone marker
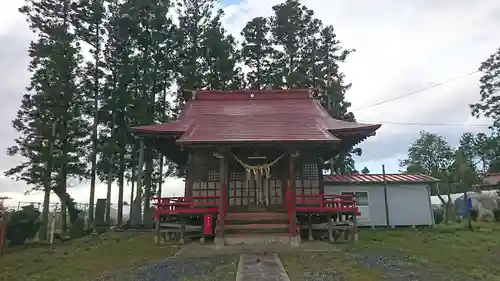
x=262 y=267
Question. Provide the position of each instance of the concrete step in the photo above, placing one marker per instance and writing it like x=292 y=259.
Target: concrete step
x=261 y=267
x=257 y=226
x=253 y=239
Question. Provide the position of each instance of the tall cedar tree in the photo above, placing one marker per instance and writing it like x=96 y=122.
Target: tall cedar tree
x=256 y=53
x=155 y=44
x=207 y=56
x=194 y=18
x=92 y=14
x=165 y=56
x=303 y=54
x=50 y=117
x=220 y=57
x=118 y=95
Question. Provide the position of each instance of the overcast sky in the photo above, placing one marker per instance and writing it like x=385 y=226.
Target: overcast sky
x=401 y=46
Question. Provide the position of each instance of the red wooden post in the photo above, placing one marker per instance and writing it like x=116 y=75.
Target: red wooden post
x=223 y=196
x=292 y=201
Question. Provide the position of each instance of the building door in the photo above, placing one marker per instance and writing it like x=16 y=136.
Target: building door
x=248 y=192
x=269 y=192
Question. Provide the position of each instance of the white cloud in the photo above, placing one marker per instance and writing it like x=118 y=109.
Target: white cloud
x=401 y=46
x=9 y=15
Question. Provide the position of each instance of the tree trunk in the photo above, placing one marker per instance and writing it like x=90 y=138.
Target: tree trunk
x=93 y=157
x=446 y=203
x=47 y=186
x=121 y=182
x=70 y=204
x=147 y=184
x=63 y=187
x=108 y=193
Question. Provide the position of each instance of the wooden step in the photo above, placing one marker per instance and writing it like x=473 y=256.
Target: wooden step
x=257 y=216
x=268 y=228
x=256 y=226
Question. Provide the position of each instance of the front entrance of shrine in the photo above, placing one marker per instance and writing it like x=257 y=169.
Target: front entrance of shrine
x=255 y=187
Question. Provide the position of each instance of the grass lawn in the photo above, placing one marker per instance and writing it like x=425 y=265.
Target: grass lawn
x=81 y=259
x=445 y=253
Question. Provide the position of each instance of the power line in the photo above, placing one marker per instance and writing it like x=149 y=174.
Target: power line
x=426 y=124
x=417 y=91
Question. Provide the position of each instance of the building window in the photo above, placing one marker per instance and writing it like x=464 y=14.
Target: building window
x=213 y=176
x=361 y=197
x=310 y=171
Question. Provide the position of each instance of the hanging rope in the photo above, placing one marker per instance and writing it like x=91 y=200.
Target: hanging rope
x=262 y=169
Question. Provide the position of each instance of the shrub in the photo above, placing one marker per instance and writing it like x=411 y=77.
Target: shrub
x=438 y=216
x=77 y=229
x=496 y=214
x=473 y=215
x=22 y=226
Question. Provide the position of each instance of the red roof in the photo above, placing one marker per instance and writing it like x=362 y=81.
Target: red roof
x=379 y=178
x=250 y=116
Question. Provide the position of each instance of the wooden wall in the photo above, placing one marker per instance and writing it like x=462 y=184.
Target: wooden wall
x=204 y=180
x=307 y=179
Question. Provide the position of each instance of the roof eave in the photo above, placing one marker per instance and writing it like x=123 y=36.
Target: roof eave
x=256 y=141
x=379 y=183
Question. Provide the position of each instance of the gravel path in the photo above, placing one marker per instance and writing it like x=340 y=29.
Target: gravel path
x=395 y=267
x=217 y=268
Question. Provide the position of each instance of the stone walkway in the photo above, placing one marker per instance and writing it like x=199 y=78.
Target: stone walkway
x=264 y=267
x=258 y=262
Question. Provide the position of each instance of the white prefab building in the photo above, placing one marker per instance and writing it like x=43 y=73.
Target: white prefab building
x=389 y=200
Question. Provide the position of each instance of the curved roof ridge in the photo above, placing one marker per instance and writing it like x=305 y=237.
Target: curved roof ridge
x=251 y=94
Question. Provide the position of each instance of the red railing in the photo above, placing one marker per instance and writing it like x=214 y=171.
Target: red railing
x=289 y=206
x=186 y=205
x=326 y=203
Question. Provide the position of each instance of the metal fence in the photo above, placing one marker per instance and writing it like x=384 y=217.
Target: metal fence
x=55 y=211
x=53 y=207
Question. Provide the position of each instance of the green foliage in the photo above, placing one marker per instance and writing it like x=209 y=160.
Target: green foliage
x=77 y=229
x=496 y=215
x=487 y=148
x=365 y=170
x=481 y=150
x=22 y=226
x=294 y=49
x=138 y=51
x=438 y=216
x=429 y=154
x=489 y=104
x=474 y=215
